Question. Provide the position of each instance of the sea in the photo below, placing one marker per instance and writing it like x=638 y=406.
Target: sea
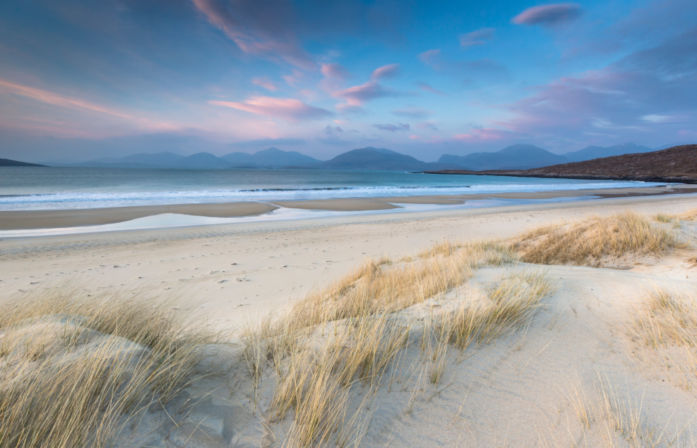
x=53 y=188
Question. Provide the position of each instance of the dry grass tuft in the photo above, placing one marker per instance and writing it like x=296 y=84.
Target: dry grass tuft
x=668 y=320
x=594 y=242
x=620 y=417
x=690 y=215
x=73 y=373
x=316 y=380
x=668 y=328
x=387 y=287
x=347 y=337
x=510 y=303
x=666 y=219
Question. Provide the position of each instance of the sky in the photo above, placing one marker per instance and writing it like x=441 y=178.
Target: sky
x=82 y=80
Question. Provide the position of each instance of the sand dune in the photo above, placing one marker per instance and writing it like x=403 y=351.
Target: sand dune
x=441 y=340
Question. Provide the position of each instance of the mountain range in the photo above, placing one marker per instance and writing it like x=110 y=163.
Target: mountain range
x=516 y=157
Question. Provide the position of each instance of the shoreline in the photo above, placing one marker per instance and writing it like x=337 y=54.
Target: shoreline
x=69 y=218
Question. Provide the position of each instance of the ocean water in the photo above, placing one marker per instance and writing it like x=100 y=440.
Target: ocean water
x=72 y=188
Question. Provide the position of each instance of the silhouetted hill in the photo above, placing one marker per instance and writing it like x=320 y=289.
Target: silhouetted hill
x=10 y=162
x=676 y=164
x=374 y=159
x=270 y=158
x=511 y=157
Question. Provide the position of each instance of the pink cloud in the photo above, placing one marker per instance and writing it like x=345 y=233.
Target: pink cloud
x=430 y=89
x=478 y=135
x=265 y=83
x=412 y=112
x=256 y=30
x=44 y=96
x=431 y=57
x=334 y=71
x=294 y=78
x=357 y=95
x=548 y=14
x=386 y=71
x=55 y=99
x=478 y=37
x=287 y=108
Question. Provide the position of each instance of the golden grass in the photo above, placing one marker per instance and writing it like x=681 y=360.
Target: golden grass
x=343 y=340
x=510 y=303
x=594 y=242
x=668 y=325
x=390 y=286
x=666 y=219
x=690 y=215
x=668 y=320
x=316 y=379
x=620 y=417
x=73 y=373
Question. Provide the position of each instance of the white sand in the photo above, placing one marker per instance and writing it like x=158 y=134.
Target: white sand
x=517 y=391
x=229 y=275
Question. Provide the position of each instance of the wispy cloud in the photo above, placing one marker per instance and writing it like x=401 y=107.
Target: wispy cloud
x=619 y=99
x=334 y=71
x=55 y=99
x=386 y=71
x=392 y=127
x=478 y=37
x=547 y=15
x=412 y=112
x=480 y=135
x=287 y=108
x=265 y=83
x=258 y=27
x=357 y=95
x=430 y=57
x=426 y=87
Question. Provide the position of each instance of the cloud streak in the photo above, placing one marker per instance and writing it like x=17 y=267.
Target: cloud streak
x=258 y=27
x=386 y=71
x=548 y=15
x=478 y=37
x=334 y=71
x=392 y=127
x=55 y=99
x=265 y=83
x=371 y=90
x=287 y=108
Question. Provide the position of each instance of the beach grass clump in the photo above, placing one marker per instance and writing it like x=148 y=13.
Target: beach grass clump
x=392 y=286
x=690 y=215
x=620 y=417
x=74 y=372
x=348 y=336
x=665 y=334
x=668 y=319
x=598 y=241
x=509 y=304
x=317 y=379
x=337 y=346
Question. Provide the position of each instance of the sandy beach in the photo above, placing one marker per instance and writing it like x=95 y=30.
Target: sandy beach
x=570 y=369
x=226 y=274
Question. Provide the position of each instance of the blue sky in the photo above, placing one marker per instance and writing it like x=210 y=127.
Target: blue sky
x=322 y=77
